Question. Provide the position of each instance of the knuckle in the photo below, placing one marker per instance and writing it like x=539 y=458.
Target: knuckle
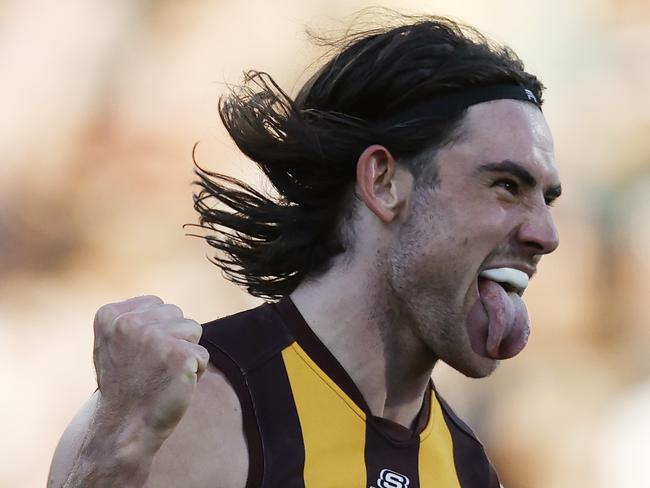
x=120 y=328
x=194 y=330
x=144 y=300
x=172 y=310
x=124 y=324
x=200 y=353
x=104 y=315
x=109 y=312
x=204 y=355
x=152 y=299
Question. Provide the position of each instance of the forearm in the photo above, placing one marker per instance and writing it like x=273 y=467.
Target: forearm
x=112 y=454
x=88 y=471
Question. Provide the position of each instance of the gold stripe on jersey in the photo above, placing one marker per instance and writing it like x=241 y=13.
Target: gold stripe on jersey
x=436 y=456
x=325 y=411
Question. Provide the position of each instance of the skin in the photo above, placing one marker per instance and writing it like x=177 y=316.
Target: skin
x=389 y=310
x=401 y=302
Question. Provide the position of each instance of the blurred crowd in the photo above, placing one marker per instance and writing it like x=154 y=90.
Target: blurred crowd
x=102 y=103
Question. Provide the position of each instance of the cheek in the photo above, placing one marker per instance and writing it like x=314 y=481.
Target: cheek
x=445 y=241
x=430 y=264
x=479 y=228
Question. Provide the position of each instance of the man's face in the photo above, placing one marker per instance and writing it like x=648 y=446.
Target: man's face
x=489 y=209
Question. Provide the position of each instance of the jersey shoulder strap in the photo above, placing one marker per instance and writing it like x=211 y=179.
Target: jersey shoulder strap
x=246 y=348
x=239 y=345
x=249 y=338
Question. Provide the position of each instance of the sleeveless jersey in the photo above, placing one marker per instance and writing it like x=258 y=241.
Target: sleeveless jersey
x=308 y=426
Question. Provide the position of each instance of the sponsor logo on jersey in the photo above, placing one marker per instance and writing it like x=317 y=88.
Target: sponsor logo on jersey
x=391 y=479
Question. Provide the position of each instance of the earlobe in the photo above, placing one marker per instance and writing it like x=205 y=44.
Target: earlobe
x=376 y=182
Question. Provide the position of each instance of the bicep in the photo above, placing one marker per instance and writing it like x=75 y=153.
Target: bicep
x=208 y=447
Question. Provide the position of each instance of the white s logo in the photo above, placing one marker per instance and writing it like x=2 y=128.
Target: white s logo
x=392 y=479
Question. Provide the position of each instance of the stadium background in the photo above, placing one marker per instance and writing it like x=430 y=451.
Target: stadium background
x=101 y=103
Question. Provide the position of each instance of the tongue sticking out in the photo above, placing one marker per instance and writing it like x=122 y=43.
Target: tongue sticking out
x=499 y=325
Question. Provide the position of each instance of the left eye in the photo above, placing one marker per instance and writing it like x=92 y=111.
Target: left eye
x=511 y=186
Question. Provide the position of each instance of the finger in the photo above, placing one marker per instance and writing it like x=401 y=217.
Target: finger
x=157 y=313
x=106 y=314
x=202 y=357
x=185 y=329
x=139 y=304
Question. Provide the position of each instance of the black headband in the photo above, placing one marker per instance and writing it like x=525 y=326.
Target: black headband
x=460 y=100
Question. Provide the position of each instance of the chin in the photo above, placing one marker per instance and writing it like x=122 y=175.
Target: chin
x=477 y=367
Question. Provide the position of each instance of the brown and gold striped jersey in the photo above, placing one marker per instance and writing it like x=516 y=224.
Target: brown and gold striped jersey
x=308 y=426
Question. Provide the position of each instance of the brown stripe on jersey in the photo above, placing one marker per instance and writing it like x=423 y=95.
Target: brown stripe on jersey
x=254 y=340
x=472 y=464
x=389 y=462
x=253 y=440
x=282 y=442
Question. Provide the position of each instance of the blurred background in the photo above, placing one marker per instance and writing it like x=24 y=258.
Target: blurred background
x=101 y=103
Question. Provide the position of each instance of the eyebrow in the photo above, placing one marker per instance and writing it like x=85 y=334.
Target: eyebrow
x=518 y=170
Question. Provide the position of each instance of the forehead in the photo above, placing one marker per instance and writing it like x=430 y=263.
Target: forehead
x=502 y=130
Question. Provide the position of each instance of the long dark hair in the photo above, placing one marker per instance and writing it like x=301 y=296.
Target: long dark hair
x=308 y=146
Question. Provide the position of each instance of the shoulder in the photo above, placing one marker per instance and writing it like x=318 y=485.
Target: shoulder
x=245 y=340
x=214 y=441
x=208 y=446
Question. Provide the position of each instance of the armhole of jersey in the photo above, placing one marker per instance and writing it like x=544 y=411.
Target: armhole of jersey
x=251 y=431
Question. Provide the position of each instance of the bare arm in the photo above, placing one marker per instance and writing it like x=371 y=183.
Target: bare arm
x=92 y=452
x=206 y=449
x=148 y=363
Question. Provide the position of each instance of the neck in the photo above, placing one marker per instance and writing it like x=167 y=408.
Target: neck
x=372 y=341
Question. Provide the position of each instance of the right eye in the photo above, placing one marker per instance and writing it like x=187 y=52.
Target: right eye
x=508 y=184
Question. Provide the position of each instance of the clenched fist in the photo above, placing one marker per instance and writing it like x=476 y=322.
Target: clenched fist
x=148 y=362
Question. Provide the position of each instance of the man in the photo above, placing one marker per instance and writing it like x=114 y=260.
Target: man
x=414 y=174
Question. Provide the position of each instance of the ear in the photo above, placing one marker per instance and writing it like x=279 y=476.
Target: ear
x=381 y=184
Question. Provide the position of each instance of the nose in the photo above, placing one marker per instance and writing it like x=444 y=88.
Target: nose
x=538 y=231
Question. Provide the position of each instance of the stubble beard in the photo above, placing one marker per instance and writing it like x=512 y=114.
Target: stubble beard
x=428 y=300
x=438 y=322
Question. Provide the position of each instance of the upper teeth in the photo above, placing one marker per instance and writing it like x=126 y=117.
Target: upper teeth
x=515 y=278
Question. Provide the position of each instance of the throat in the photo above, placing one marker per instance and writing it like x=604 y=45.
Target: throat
x=409 y=417
x=388 y=367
